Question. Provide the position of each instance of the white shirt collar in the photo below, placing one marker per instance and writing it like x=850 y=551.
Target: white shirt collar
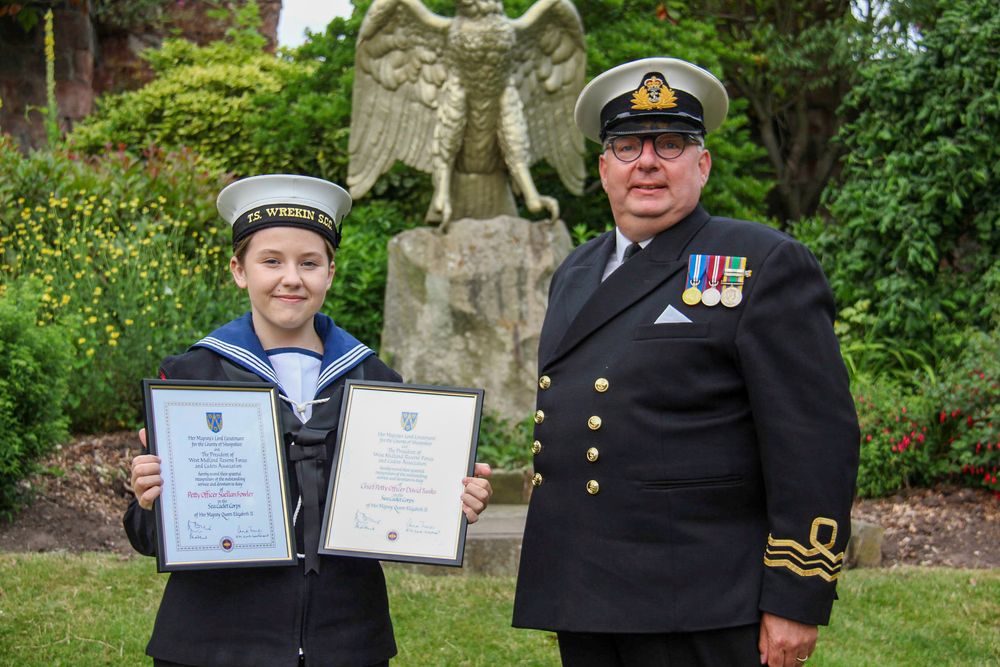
x=622 y=242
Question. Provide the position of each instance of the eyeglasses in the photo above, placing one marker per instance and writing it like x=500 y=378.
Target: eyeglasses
x=668 y=146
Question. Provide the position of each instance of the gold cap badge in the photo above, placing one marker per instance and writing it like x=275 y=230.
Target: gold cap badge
x=654 y=93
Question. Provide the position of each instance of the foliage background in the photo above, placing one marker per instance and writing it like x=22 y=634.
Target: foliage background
x=869 y=130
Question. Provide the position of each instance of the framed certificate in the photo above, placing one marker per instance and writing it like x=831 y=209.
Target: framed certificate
x=225 y=499
x=396 y=485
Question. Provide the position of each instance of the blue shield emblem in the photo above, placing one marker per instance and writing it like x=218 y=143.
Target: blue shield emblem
x=408 y=420
x=214 y=421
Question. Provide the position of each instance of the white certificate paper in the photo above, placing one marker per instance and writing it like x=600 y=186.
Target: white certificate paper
x=224 y=501
x=396 y=486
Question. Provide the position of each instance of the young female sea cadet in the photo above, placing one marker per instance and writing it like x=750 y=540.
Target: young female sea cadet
x=327 y=611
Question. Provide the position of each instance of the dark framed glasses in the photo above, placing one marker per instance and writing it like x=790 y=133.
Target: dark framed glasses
x=668 y=145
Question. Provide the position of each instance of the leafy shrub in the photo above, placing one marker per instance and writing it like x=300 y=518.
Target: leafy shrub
x=918 y=205
x=203 y=98
x=942 y=426
x=896 y=449
x=34 y=370
x=968 y=421
x=131 y=279
x=888 y=359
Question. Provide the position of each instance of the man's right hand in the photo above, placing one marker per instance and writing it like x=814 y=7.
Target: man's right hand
x=146 y=480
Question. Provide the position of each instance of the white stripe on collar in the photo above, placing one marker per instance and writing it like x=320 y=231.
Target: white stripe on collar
x=242 y=355
x=341 y=365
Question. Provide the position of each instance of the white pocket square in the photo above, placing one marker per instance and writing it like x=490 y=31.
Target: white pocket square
x=671 y=315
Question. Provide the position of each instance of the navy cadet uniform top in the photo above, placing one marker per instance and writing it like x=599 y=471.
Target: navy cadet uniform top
x=334 y=609
x=688 y=474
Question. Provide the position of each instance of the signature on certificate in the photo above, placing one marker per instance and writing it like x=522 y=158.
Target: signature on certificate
x=196 y=531
x=364 y=522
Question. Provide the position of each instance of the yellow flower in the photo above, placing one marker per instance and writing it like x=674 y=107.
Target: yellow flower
x=90 y=352
x=92 y=319
x=129 y=323
x=81 y=341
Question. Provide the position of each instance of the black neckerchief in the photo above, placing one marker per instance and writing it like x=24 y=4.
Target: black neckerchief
x=306 y=448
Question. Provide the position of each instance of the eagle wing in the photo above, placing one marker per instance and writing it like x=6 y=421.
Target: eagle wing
x=398 y=73
x=550 y=66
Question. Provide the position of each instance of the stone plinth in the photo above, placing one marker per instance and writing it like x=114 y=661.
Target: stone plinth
x=865 y=546
x=465 y=307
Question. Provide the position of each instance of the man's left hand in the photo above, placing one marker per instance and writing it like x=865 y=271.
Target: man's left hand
x=785 y=643
x=477 y=493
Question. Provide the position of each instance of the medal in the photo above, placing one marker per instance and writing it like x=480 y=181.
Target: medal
x=696 y=269
x=732 y=295
x=711 y=296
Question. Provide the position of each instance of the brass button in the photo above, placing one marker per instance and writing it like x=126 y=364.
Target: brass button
x=593 y=487
x=593 y=454
x=539 y=416
x=536 y=447
x=601 y=385
x=536 y=479
x=594 y=422
x=545 y=382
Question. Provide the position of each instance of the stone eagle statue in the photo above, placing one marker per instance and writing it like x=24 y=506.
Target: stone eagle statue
x=469 y=100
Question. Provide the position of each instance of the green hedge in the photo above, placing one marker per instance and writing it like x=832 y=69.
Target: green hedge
x=34 y=372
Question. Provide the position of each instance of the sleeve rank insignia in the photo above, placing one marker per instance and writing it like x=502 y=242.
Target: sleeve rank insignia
x=817 y=561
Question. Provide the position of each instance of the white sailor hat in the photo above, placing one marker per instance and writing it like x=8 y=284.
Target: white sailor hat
x=284 y=200
x=651 y=95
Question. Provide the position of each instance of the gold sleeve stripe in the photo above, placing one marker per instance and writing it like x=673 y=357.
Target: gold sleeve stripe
x=792 y=544
x=798 y=558
x=814 y=572
x=817 y=562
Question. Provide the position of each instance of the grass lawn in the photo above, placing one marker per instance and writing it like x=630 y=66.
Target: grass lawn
x=98 y=609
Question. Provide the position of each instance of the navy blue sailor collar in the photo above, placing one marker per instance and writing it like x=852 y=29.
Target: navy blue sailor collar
x=237 y=341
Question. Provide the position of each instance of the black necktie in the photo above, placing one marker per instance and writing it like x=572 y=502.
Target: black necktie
x=631 y=250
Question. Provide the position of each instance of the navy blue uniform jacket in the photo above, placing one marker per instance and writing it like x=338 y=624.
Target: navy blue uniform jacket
x=259 y=617
x=727 y=448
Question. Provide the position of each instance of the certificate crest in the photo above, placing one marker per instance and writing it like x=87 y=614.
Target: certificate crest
x=214 y=421
x=408 y=420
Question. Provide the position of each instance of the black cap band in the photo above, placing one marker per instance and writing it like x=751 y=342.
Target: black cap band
x=286 y=215
x=653 y=98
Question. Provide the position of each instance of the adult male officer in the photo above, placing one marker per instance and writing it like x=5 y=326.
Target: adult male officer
x=696 y=443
